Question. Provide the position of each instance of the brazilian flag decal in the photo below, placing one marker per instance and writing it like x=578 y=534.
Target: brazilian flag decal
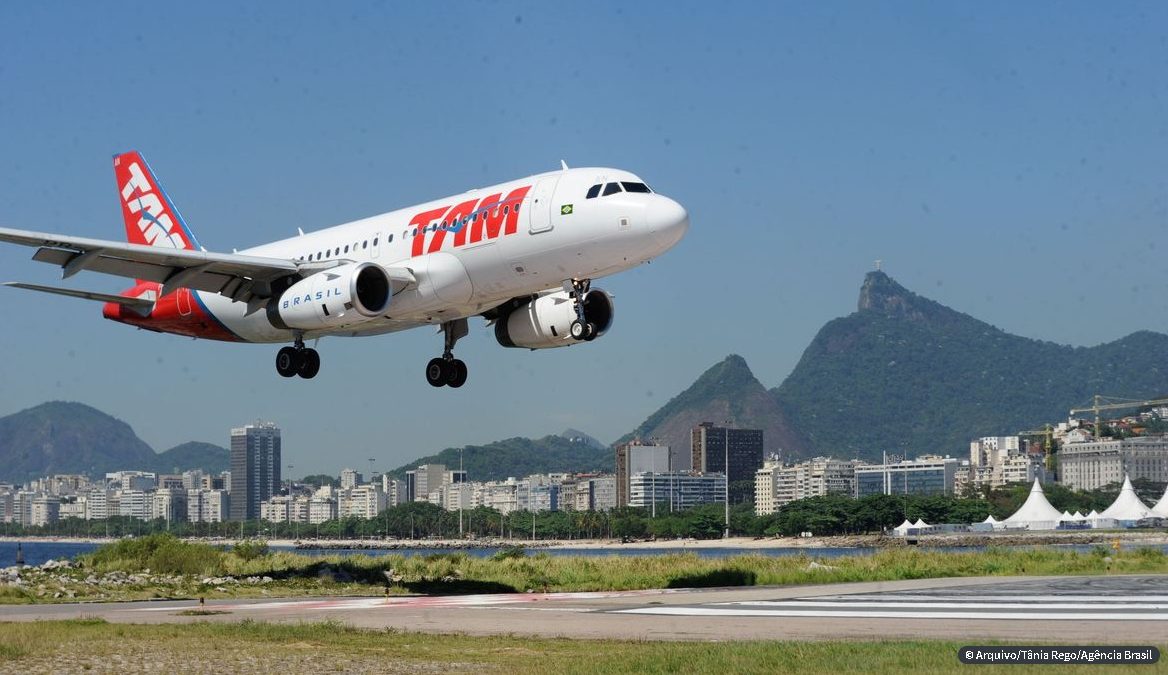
x=566 y=210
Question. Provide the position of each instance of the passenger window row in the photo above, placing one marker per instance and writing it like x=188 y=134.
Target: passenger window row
x=455 y=224
x=319 y=255
x=604 y=190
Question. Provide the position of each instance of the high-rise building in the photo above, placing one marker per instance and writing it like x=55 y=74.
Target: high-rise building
x=255 y=468
x=394 y=489
x=350 y=478
x=426 y=479
x=711 y=446
x=637 y=457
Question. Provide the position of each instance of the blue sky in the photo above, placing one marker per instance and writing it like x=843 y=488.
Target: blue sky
x=1010 y=161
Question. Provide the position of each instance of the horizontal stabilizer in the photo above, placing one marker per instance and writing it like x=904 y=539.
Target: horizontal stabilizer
x=139 y=304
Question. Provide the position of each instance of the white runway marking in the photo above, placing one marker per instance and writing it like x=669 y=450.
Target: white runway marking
x=415 y=601
x=874 y=614
x=897 y=604
x=1104 y=607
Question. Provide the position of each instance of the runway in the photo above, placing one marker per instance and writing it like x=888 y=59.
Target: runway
x=1087 y=610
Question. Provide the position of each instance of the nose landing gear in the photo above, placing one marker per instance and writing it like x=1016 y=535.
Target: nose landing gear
x=448 y=371
x=298 y=360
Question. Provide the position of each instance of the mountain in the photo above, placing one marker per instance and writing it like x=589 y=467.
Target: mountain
x=73 y=438
x=193 y=455
x=576 y=435
x=62 y=437
x=909 y=375
x=727 y=391
x=520 y=457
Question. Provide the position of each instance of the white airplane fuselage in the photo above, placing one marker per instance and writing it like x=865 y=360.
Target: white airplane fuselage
x=469 y=253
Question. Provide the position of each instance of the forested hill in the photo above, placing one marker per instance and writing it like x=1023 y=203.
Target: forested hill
x=519 y=457
x=908 y=375
x=62 y=437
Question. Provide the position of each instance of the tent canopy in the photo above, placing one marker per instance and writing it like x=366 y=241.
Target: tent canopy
x=1127 y=506
x=1036 y=513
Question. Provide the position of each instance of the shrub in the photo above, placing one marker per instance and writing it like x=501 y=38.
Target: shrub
x=251 y=549
x=510 y=552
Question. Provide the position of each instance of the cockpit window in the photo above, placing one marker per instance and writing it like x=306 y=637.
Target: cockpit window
x=593 y=191
x=611 y=188
x=635 y=187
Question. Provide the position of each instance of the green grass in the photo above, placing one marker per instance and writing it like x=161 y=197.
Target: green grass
x=300 y=575
x=248 y=645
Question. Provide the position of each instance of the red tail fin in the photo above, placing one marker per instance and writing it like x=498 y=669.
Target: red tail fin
x=151 y=218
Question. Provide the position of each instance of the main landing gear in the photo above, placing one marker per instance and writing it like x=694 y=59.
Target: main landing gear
x=448 y=371
x=581 y=329
x=298 y=360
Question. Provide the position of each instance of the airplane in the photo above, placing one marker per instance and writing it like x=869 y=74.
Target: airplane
x=520 y=254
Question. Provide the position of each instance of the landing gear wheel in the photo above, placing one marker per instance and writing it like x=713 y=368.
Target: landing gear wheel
x=582 y=331
x=437 y=373
x=288 y=361
x=457 y=373
x=309 y=364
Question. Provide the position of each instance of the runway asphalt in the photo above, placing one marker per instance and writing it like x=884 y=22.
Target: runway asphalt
x=1085 y=610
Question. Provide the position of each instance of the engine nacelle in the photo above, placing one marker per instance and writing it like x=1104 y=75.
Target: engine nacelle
x=334 y=298
x=545 y=322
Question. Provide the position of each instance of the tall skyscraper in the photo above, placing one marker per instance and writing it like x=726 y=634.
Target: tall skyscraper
x=255 y=468
x=712 y=445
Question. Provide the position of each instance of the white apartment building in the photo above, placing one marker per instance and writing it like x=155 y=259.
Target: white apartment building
x=44 y=510
x=350 y=478
x=1095 y=463
x=135 y=504
x=169 y=504
x=362 y=501
x=274 y=509
x=321 y=509
x=676 y=490
x=776 y=485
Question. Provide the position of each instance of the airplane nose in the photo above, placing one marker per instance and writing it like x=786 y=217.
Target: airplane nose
x=669 y=221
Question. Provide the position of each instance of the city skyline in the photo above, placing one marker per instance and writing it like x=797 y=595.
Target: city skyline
x=987 y=155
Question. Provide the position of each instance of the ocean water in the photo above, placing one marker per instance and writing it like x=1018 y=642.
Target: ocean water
x=38 y=551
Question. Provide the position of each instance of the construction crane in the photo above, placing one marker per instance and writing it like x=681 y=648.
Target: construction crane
x=1114 y=403
x=1047 y=434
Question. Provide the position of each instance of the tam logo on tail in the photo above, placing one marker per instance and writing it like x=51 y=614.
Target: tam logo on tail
x=149 y=215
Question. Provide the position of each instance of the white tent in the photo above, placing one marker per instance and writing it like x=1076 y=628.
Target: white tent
x=1127 y=506
x=990 y=520
x=921 y=524
x=902 y=529
x=1161 y=507
x=1036 y=513
x=1067 y=516
x=1078 y=516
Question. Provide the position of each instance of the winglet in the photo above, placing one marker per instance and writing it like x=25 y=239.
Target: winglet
x=564 y=165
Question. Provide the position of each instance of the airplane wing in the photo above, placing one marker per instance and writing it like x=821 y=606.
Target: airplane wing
x=239 y=277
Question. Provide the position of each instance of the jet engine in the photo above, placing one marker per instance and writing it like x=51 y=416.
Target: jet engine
x=546 y=321
x=333 y=298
